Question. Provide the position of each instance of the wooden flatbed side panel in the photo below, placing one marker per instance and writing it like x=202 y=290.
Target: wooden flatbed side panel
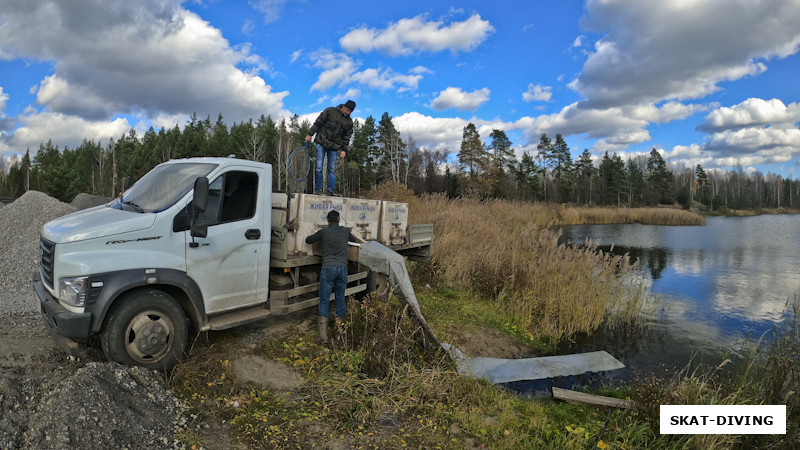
x=280 y=306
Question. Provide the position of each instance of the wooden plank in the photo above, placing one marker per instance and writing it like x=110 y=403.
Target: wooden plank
x=591 y=399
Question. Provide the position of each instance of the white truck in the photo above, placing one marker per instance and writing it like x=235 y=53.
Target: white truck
x=195 y=245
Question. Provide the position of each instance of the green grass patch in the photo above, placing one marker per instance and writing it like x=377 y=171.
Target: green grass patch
x=450 y=312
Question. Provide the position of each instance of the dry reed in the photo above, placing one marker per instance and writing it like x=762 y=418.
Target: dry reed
x=502 y=249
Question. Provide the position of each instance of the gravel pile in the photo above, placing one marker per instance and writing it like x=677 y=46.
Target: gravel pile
x=96 y=407
x=50 y=401
x=20 y=225
x=83 y=201
x=109 y=406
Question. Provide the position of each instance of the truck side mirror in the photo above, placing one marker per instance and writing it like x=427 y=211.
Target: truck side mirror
x=200 y=194
x=199 y=224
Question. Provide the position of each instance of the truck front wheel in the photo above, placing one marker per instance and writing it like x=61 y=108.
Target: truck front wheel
x=146 y=328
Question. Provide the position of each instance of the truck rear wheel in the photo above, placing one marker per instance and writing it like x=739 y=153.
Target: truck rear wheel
x=379 y=284
x=146 y=328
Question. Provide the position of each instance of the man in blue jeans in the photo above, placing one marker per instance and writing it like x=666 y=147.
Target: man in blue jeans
x=333 y=129
x=333 y=276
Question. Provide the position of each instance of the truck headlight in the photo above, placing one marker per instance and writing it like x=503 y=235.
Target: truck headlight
x=72 y=291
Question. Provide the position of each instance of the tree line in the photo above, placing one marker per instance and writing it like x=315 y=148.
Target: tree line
x=378 y=154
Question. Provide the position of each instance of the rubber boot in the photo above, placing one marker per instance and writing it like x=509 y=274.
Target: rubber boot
x=322 y=326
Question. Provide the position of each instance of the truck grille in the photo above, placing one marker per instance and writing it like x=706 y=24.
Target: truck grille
x=48 y=251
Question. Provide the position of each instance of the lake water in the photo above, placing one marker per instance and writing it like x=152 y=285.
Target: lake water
x=719 y=284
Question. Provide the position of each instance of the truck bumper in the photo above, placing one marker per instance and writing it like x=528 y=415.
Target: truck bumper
x=65 y=326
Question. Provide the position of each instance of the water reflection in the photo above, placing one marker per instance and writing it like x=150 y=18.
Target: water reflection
x=654 y=260
x=720 y=283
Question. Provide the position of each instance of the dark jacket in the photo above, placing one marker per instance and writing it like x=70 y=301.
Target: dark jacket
x=333 y=129
x=334 y=244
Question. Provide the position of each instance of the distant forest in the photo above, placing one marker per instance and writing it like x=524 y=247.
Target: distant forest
x=378 y=154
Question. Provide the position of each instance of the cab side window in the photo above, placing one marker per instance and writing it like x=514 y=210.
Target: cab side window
x=231 y=197
x=214 y=201
x=240 y=198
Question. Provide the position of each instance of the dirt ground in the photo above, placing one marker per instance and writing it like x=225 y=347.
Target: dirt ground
x=49 y=399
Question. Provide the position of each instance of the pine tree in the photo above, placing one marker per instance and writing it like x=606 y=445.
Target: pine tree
x=362 y=155
x=503 y=160
x=586 y=175
x=547 y=161
x=469 y=154
x=702 y=184
x=526 y=174
x=615 y=180
x=563 y=170
x=659 y=180
x=475 y=164
x=635 y=184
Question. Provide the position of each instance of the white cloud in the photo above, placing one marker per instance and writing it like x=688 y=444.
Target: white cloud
x=667 y=112
x=386 y=79
x=616 y=127
x=295 y=55
x=271 y=9
x=147 y=58
x=64 y=130
x=537 y=92
x=430 y=132
x=753 y=132
x=336 y=69
x=351 y=94
x=443 y=133
x=3 y=100
x=420 y=70
x=409 y=36
x=779 y=143
x=654 y=51
x=169 y=121
x=753 y=112
x=340 y=69
x=248 y=27
x=453 y=97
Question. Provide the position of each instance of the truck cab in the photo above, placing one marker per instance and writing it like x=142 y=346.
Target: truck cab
x=196 y=244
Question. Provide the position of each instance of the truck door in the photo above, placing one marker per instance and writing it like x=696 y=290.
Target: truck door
x=231 y=263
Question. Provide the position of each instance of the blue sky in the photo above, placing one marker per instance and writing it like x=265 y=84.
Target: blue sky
x=710 y=82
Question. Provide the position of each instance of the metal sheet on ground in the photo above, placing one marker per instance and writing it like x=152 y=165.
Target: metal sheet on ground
x=498 y=370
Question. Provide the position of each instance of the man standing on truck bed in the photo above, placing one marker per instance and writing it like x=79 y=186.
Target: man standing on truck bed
x=333 y=128
x=333 y=275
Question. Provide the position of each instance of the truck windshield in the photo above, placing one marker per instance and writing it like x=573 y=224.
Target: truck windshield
x=162 y=187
